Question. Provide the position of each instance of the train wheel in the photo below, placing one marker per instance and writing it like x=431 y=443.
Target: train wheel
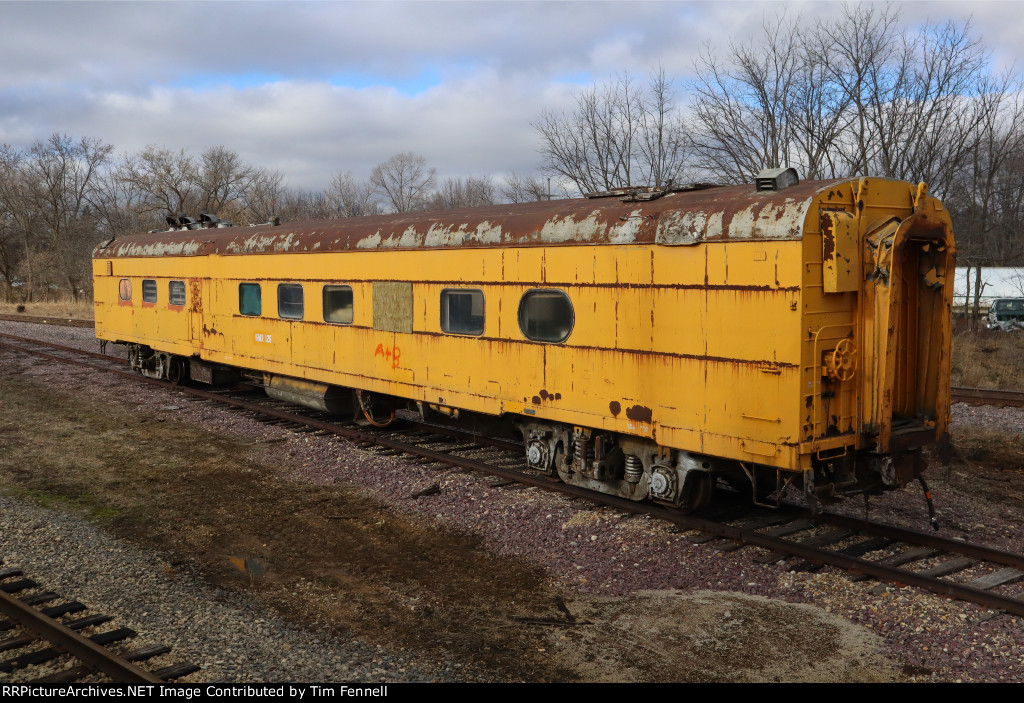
x=696 y=493
x=176 y=370
x=557 y=464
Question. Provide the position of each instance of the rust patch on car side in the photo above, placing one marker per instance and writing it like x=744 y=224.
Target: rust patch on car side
x=639 y=413
x=828 y=238
x=615 y=407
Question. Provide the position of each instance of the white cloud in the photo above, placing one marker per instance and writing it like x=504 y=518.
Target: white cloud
x=190 y=75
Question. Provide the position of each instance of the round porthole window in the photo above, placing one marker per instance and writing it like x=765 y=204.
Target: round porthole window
x=546 y=315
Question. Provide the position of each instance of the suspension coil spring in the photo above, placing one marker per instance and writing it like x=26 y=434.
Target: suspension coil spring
x=584 y=454
x=634 y=468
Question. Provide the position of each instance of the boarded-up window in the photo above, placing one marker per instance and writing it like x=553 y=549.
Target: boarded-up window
x=462 y=311
x=290 y=304
x=338 y=306
x=148 y=290
x=249 y=299
x=546 y=315
x=124 y=289
x=176 y=292
x=392 y=306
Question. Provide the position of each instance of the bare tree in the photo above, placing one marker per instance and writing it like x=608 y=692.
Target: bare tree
x=166 y=178
x=352 y=198
x=119 y=201
x=19 y=218
x=986 y=197
x=616 y=136
x=524 y=189
x=857 y=96
x=9 y=251
x=263 y=197
x=404 y=181
x=298 y=204
x=663 y=144
x=768 y=104
x=218 y=182
x=909 y=91
x=223 y=179
x=47 y=191
x=472 y=191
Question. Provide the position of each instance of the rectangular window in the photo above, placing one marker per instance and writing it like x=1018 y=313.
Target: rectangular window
x=124 y=289
x=289 y=301
x=338 y=304
x=462 y=311
x=148 y=290
x=249 y=302
x=176 y=292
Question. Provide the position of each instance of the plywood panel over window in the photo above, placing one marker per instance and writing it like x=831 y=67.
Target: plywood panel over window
x=392 y=306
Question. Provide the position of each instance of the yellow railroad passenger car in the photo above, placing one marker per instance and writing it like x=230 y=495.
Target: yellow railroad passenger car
x=642 y=343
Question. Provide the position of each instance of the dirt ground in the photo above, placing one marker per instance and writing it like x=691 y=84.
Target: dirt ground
x=333 y=556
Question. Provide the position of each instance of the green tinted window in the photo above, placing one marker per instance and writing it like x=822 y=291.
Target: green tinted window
x=249 y=301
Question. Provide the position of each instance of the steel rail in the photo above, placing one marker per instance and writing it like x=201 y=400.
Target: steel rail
x=924 y=539
x=79 y=646
x=47 y=319
x=738 y=534
x=987 y=396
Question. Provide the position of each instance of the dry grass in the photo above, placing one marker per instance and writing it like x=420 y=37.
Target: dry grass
x=996 y=447
x=82 y=310
x=989 y=359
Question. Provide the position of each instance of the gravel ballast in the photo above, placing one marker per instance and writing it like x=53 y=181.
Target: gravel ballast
x=587 y=552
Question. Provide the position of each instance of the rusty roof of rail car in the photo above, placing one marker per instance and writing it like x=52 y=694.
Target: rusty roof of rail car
x=680 y=218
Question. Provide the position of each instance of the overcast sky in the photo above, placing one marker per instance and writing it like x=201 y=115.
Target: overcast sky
x=314 y=88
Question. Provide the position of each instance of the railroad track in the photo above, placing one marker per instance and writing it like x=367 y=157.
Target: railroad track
x=47 y=320
x=987 y=396
x=970 y=572
x=40 y=629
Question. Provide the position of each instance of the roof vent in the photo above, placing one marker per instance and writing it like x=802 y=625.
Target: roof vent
x=776 y=179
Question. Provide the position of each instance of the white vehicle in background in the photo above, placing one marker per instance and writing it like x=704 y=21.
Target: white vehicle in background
x=1006 y=314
